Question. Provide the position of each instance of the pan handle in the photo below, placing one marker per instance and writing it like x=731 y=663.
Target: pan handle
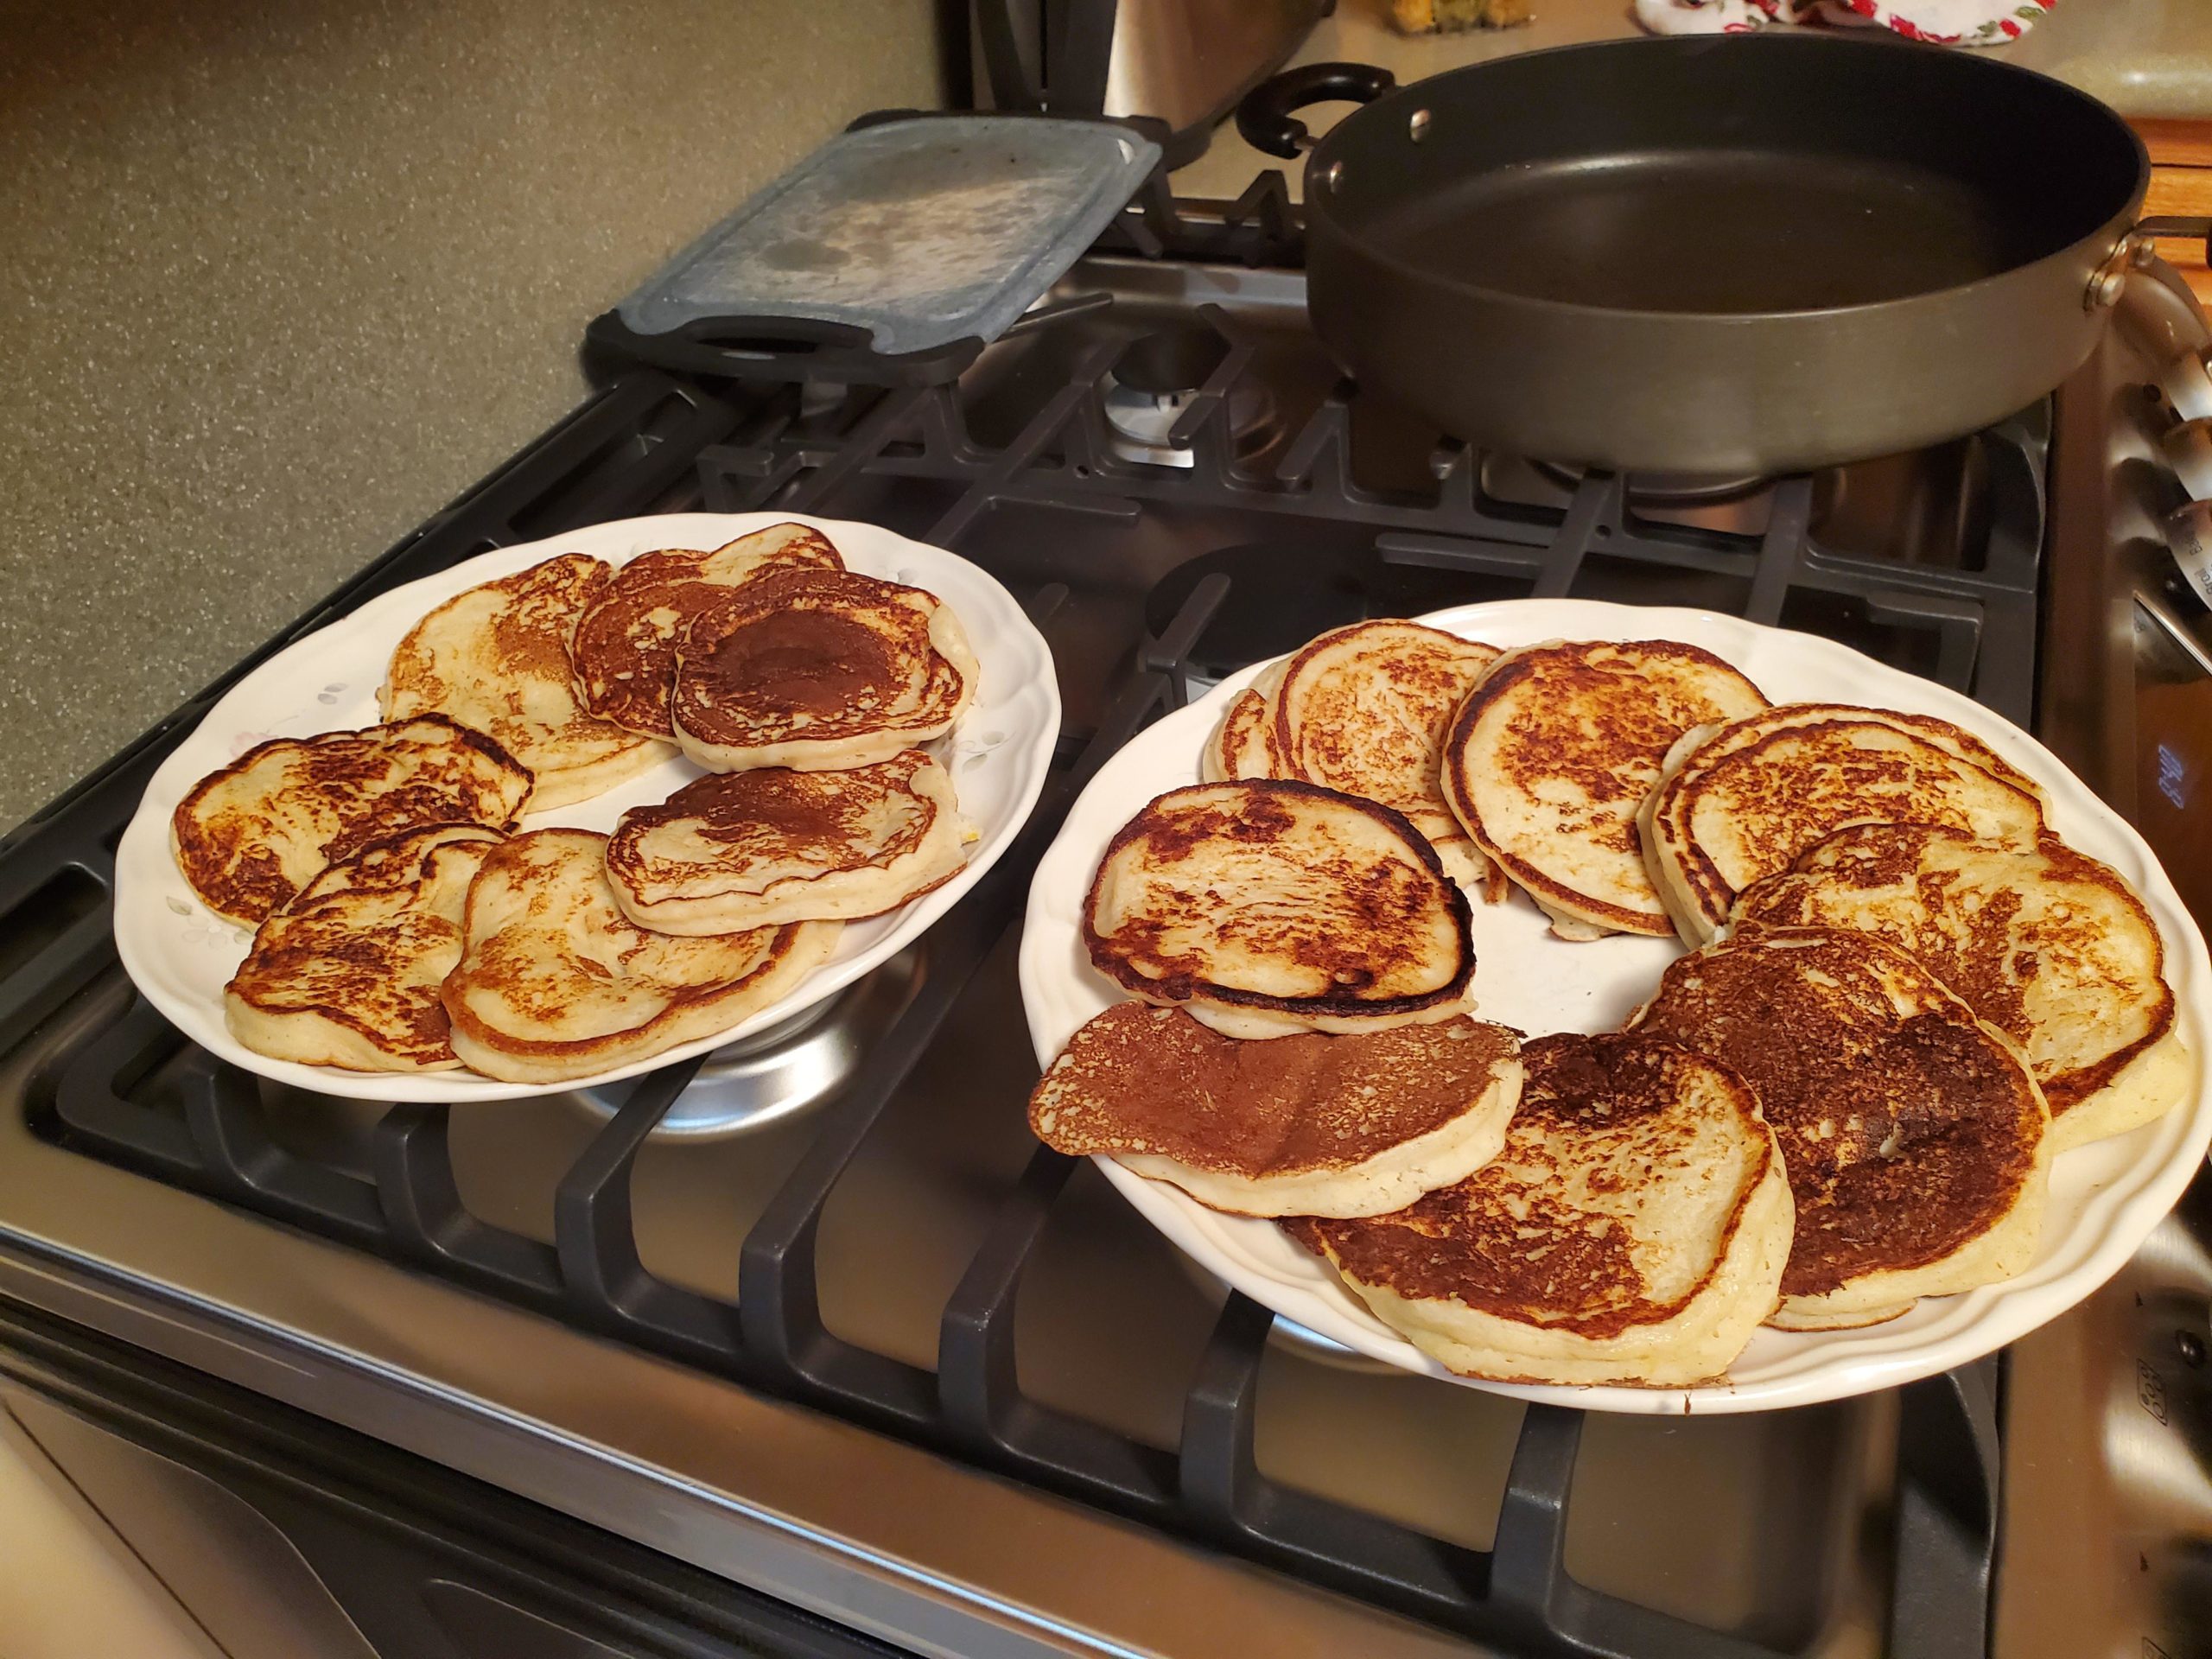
x=1265 y=120
x=2151 y=229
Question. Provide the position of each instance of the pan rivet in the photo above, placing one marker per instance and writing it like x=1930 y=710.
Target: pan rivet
x=1417 y=128
x=1334 y=176
x=2111 y=285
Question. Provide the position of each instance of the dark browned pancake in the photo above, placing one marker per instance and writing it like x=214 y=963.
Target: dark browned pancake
x=250 y=834
x=1913 y=1135
x=624 y=646
x=818 y=670
x=1270 y=906
x=1631 y=1230
x=1301 y=1125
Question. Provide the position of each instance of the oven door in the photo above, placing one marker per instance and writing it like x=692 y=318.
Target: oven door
x=159 y=1513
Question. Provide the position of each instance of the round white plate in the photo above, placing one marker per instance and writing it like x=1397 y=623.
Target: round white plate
x=2105 y=1198
x=181 y=954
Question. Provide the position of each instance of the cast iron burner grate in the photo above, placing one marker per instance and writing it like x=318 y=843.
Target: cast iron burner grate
x=632 y=450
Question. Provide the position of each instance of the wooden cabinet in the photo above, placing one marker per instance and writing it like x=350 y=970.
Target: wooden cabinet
x=2181 y=182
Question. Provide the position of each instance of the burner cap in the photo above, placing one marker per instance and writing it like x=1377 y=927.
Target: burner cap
x=1173 y=359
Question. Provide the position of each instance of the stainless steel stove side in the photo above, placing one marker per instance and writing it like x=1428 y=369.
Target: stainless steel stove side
x=2108 y=1431
x=879 y=1536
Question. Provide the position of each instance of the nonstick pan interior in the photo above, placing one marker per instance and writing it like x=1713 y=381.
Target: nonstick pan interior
x=1727 y=181
x=1711 y=230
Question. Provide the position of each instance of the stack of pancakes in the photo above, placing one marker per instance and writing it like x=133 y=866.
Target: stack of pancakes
x=1905 y=996
x=405 y=923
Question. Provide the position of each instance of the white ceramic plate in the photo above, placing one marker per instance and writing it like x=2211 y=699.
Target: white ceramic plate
x=181 y=954
x=2105 y=1198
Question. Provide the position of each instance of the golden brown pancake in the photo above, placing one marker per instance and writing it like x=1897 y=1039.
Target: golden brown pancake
x=555 y=983
x=496 y=657
x=817 y=670
x=760 y=849
x=1306 y=1125
x=1270 y=906
x=1912 y=1133
x=1632 y=1230
x=250 y=834
x=2048 y=945
x=1742 y=800
x=625 y=645
x=1365 y=709
x=1549 y=759
x=347 y=974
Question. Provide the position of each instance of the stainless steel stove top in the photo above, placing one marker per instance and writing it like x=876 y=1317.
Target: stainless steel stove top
x=830 y=1323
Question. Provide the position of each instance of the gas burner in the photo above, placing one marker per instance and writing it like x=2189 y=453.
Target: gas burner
x=1157 y=376
x=790 y=1066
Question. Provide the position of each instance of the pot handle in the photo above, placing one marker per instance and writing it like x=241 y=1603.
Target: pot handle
x=2151 y=229
x=1265 y=120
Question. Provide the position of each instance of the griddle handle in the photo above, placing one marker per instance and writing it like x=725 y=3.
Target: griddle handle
x=1265 y=116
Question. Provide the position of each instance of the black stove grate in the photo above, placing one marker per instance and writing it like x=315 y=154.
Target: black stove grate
x=651 y=443
x=1977 y=623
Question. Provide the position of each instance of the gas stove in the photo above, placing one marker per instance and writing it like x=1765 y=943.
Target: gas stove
x=816 y=1315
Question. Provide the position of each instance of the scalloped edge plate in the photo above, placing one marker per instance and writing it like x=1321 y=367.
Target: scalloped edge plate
x=2105 y=1198
x=180 y=954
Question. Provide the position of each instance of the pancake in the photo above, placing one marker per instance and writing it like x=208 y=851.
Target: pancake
x=250 y=834
x=760 y=849
x=554 y=982
x=2049 y=945
x=1632 y=1230
x=1308 y=1125
x=1742 y=800
x=818 y=671
x=347 y=974
x=1365 y=708
x=625 y=645
x=496 y=657
x=1913 y=1135
x=1270 y=906
x=1549 y=761
x=1242 y=745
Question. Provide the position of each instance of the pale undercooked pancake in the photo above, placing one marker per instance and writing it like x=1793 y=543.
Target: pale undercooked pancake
x=250 y=834
x=1550 y=758
x=1913 y=1135
x=556 y=983
x=496 y=657
x=1632 y=1230
x=1365 y=709
x=1306 y=1125
x=817 y=670
x=347 y=974
x=1269 y=906
x=759 y=849
x=2049 y=945
x=1742 y=800
x=625 y=645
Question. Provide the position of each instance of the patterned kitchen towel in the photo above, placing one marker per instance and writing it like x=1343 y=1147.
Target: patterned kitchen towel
x=1946 y=22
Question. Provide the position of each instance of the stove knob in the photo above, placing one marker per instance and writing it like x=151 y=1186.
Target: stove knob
x=2187 y=386
x=2188 y=452
x=2188 y=534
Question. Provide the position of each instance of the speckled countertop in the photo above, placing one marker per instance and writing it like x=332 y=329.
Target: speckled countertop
x=278 y=279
